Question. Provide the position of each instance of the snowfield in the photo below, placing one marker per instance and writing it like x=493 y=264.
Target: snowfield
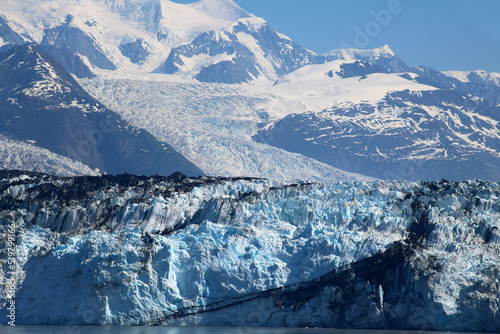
x=318 y=87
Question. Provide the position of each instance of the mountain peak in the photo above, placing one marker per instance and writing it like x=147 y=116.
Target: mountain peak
x=253 y=22
x=386 y=50
x=383 y=56
x=220 y=9
x=377 y=53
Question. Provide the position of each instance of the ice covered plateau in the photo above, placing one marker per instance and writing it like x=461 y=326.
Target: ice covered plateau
x=127 y=250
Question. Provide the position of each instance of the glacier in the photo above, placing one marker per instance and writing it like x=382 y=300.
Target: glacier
x=20 y=155
x=211 y=125
x=134 y=250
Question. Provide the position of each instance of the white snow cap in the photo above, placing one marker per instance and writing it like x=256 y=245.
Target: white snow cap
x=220 y=9
x=384 y=51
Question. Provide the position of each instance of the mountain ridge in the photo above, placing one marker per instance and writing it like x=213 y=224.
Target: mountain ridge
x=94 y=27
x=220 y=43
x=48 y=107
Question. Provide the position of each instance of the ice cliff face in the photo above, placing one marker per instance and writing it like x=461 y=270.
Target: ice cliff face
x=205 y=251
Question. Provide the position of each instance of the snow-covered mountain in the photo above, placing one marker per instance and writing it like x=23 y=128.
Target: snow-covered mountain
x=383 y=57
x=131 y=250
x=247 y=50
x=351 y=114
x=364 y=111
x=475 y=76
x=217 y=152
x=42 y=104
x=320 y=86
x=126 y=35
x=386 y=125
x=479 y=83
x=210 y=40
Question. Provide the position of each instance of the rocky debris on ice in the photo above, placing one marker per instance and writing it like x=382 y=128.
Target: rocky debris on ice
x=127 y=250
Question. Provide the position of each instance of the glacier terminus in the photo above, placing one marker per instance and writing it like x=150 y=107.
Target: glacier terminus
x=128 y=250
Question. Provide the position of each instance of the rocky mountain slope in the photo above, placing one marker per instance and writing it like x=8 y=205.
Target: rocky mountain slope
x=131 y=250
x=359 y=118
x=43 y=104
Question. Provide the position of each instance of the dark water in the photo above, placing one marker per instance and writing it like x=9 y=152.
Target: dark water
x=188 y=330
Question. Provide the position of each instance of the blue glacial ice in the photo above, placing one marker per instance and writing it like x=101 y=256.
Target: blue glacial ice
x=242 y=252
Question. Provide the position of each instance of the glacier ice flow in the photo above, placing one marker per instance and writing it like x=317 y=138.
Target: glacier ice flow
x=211 y=125
x=126 y=250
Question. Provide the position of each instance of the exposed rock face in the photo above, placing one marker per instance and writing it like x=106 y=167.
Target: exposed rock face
x=70 y=61
x=177 y=250
x=78 y=42
x=136 y=51
x=9 y=36
x=247 y=50
x=407 y=135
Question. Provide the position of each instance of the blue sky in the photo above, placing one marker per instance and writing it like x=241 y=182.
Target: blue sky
x=443 y=34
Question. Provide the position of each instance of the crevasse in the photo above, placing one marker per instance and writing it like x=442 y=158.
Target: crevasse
x=124 y=250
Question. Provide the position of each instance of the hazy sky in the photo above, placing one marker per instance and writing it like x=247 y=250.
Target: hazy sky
x=443 y=34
